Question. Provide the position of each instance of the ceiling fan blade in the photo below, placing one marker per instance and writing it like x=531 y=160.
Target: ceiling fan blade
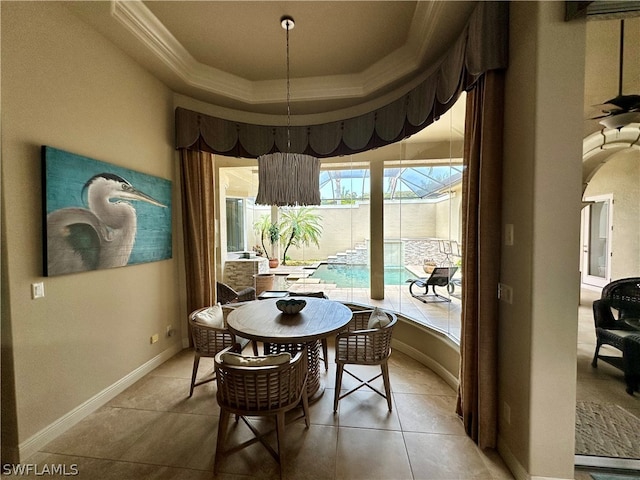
x=599 y=117
x=625 y=102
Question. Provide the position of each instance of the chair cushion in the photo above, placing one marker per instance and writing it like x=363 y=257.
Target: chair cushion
x=238 y=360
x=378 y=319
x=211 y=317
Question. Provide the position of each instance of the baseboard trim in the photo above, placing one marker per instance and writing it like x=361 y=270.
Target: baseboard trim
x=518 y=471
x=427 y=361
x=34 y=443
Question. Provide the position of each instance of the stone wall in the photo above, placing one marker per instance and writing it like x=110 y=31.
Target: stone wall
x=238 y=273
x=414 y=252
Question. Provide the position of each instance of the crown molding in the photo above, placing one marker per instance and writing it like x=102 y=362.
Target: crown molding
x=146 y=27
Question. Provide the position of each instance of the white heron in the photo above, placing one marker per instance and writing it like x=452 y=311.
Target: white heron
x=100 y=236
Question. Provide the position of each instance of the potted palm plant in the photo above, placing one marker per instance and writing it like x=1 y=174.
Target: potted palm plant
x=267 y=230
x=274 y=236
x=300 y=226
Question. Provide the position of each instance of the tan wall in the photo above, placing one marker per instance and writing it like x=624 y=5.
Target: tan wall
x=64 y=85
x=345 y=226
x=620 y=176
x=541 y=192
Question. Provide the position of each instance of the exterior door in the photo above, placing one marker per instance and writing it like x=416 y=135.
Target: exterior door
x=596 y=240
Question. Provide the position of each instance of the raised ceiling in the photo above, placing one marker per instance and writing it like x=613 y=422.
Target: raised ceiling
x=345 y=55
x=232 y=53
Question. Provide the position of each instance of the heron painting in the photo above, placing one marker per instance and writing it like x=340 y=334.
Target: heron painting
x=98 y=215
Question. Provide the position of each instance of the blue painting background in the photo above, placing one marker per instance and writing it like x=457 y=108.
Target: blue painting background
x=65 y=175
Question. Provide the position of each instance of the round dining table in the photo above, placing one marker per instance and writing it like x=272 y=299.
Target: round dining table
x=260 y=320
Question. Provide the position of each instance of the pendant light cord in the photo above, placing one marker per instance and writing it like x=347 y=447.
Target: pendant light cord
x=288 y=96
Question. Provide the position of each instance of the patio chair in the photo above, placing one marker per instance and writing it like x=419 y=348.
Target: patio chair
x=226 y=294
x=210 y=336
x=440 y=277
x=620 y=330
x=365 y=342
x=259 y=387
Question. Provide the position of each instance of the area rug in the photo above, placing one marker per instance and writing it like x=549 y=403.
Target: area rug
x=606 y=431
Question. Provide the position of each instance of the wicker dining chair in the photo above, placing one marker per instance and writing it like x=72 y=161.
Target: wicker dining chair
x=361 y=345
x=250 y=390
x=208 y=340
x=226 y=294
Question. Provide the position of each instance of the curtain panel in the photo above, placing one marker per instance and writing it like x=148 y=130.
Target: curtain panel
x=481 y=47
x=481 y=240
x=198 y=192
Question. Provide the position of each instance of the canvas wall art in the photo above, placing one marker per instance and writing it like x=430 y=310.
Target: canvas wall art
x=98 y=215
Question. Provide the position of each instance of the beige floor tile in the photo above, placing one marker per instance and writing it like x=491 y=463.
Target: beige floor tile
x=97 y=468
x=177 y=440
x=180 y=365
x=371 y=455
x=310 y=453
x=367 y=410
x=253 y=460
x=321 y=412
x=428 y=414
x=108 y=433
x=445 y=457
x=168 y=394
x=409 y=376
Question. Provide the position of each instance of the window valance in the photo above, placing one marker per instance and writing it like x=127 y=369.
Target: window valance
x=482 y=46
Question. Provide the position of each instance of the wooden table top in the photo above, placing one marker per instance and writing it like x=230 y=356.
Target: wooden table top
x=262 y=321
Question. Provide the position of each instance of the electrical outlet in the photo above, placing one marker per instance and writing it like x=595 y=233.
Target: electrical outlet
x=154 y=338
x=37 y=290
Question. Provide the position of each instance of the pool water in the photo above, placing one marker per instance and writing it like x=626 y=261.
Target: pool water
x=357 y=276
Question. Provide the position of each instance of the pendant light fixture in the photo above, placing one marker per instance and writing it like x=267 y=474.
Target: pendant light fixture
x=285 y=178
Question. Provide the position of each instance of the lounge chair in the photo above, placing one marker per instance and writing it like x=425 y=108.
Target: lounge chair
x=440 y=277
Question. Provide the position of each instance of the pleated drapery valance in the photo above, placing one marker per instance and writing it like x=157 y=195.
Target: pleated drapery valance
x=481 y=47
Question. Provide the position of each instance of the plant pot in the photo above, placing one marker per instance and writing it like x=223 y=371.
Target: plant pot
x=263 y=281
x=428 y=268
x=274 y=262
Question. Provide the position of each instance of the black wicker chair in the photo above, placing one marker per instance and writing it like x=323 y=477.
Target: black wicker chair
x=621 y=330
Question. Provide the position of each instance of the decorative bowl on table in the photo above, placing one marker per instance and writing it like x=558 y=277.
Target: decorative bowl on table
x=290 y=306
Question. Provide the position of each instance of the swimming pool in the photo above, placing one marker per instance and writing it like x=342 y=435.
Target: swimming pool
x=357 y=276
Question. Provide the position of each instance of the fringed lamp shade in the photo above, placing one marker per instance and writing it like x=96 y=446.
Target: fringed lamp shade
x=288 y=179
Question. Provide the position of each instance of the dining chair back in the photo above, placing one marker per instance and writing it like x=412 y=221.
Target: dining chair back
x=257 y=388
x=360 y=344
x=208 y=340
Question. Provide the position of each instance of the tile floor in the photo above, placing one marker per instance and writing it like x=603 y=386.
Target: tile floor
x=153 y=430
